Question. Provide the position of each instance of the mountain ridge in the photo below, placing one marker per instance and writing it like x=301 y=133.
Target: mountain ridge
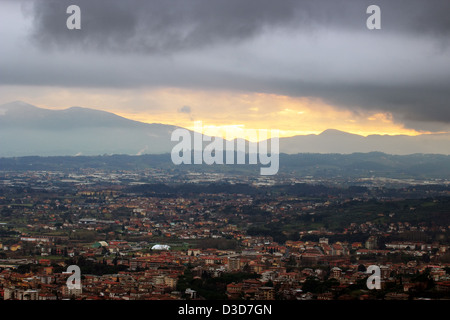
x=27 y=130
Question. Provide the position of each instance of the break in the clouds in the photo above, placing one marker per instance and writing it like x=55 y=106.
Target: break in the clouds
x=317 y=49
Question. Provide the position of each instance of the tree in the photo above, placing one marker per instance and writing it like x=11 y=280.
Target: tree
x=312 y=285
x=269 y=283
x=362 y=268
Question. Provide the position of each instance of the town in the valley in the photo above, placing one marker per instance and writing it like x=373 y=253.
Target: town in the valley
x=203 y=236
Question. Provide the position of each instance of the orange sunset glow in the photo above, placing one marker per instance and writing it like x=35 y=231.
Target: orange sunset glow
x=223 y=110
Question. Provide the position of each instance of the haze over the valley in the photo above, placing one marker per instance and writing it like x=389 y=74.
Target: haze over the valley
x=27 y=130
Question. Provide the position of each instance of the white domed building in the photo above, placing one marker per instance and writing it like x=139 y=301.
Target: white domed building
x=160 y=247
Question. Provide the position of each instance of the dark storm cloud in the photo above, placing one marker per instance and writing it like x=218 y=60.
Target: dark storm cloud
x=170 y=25
x=421 y=107
x=412 y=83
x=424 y=106
x=156 y=26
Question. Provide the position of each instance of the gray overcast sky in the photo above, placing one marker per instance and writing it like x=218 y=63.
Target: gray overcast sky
x=313 y=49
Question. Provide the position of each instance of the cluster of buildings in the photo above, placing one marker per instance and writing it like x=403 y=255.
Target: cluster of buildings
x=140 y=247
x=281 y=272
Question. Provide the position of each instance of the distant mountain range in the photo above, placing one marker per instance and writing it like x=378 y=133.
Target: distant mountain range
x=28 y=130
x=335 y=141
